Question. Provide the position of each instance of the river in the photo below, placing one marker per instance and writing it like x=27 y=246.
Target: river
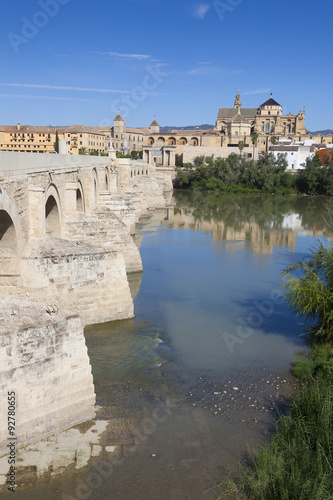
x=190 y=385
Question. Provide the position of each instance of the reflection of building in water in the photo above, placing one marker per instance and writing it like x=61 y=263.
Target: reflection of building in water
x=261 y=240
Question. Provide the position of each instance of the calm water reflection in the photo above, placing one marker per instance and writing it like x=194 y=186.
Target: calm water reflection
x=208 y=266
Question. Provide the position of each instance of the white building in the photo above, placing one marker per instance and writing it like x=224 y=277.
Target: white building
x=296 y=153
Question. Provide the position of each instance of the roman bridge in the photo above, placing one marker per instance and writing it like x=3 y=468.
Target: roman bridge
x=66 y=249
x=39 y=194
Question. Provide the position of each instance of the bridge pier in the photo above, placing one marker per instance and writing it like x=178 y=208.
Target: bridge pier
x=36 y=213
x=70 y=247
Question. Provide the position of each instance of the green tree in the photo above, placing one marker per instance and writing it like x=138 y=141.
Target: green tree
x=273 y=139
x=179 y=161
x=83 y=150
x=308 y=288
x=241 y=146
x=254 y=139
x=56 y=144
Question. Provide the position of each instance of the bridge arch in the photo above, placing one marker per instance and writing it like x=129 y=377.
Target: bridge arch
x=52 y=212
x=7 y=205
x=9 y=249
x=95 y=181
x=107 y=179
x=80 y=202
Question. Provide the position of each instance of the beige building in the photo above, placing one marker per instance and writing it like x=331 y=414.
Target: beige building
x=233 y=125
x=42 y=139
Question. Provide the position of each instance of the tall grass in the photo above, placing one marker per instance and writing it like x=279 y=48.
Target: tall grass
x=297 y=464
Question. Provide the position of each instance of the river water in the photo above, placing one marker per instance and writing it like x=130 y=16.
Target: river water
x=190 y=385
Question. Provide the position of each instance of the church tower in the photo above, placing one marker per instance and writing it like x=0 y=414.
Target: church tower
x=118 y=127
x=238 y=102
x=154 y=127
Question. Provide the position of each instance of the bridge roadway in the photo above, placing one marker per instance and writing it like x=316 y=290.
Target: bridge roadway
x=65 y=251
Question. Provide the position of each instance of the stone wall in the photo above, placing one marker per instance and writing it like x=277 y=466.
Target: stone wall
x=83 y=278
x=190 y=153
x=44 y=360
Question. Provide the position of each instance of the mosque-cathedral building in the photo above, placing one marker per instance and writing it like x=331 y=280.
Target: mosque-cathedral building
x=232 y=126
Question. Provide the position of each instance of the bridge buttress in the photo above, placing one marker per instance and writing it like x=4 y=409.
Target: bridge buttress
x=36 y=212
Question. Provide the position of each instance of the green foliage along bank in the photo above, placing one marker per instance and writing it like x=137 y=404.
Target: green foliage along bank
x=297 y=463
x=268 y=174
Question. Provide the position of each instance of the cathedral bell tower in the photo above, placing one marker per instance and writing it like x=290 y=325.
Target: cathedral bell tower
x=238 y=102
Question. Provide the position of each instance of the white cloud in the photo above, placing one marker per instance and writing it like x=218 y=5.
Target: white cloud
x=51 y=98
x=209 y=69
x=129 y=56
x=61 y=87
x=200 y=10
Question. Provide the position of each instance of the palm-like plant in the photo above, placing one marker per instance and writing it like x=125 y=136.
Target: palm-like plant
x=241 y=146
x=254 y=139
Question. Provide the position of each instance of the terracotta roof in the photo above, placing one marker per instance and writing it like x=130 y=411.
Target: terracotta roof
x=154 y=123
x=232 y=112
x=284 y=148
x=29 y=129
x=135 y=130
x=239 y=118
x=24 y=129
x=118 y=118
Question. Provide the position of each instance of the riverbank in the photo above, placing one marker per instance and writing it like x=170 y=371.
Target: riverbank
x=269 y=175
x=297 y=462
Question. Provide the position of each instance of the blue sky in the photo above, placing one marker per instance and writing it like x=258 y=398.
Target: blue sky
x=77 y=61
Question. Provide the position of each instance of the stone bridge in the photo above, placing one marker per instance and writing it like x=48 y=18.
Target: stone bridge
x=66 y=247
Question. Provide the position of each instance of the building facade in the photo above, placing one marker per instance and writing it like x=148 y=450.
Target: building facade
x=257 y=129
x=29 y=139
